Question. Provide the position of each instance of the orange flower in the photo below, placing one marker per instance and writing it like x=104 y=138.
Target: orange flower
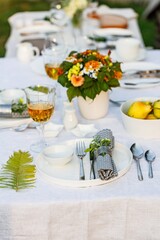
x=92 y=65
x=60 y=71
x=118 y=75
x=77 y=81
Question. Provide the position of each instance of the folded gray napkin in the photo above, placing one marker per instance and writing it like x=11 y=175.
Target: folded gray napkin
x=8 y=111
x=36 y=42
x=103 y=166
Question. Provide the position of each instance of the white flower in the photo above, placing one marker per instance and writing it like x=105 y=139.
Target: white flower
x=75 y=5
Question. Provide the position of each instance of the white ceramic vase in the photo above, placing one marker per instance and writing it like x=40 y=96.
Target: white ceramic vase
x=94 y=109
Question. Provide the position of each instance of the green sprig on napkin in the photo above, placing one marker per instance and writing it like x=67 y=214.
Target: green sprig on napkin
x=19 y=172
x=96 y=143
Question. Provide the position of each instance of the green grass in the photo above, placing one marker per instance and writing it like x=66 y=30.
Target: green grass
x=9 y=7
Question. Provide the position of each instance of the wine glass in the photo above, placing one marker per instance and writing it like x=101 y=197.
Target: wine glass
x=40 y=104
x=57 y=14
x=53 y=54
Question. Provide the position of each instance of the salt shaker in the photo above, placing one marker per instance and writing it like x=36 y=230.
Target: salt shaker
x=70 y=119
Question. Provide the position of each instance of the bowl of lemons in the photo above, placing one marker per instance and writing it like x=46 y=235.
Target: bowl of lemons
x=141 y=117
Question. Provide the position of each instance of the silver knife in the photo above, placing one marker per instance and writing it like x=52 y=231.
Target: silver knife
x=142 y=74
x=140 y=83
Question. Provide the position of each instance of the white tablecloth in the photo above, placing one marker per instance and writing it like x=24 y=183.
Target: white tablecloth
x=121 y=210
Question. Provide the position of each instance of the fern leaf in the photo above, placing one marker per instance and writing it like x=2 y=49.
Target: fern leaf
x=19 y=172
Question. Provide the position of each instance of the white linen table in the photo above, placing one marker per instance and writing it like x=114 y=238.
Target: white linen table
x=121 y=210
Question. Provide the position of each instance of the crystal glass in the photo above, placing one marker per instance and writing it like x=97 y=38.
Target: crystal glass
x=53 y=54
x=57 y=14
x=41 y=104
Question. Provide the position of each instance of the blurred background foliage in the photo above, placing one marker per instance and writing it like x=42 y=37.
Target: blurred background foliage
x=9 y=7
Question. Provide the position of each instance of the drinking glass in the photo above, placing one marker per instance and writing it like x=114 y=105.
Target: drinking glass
x=41 y=104
x=53 y=54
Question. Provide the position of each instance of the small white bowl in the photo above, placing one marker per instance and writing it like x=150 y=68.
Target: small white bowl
x=12 y=95
x=140 y=128
x=58 y=155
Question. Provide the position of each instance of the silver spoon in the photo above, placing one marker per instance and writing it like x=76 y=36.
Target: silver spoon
x=21 y=127
x=24 y=126
x=137 y=152
x=117 y=102
x=150 y=157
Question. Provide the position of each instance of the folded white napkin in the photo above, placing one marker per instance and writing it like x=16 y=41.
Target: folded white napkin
x=83 y=129
x=52 y=129
x=10 y=123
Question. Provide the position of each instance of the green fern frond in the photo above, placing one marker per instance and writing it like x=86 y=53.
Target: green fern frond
x=19 y=172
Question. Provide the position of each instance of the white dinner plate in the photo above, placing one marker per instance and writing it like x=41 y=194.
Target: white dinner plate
x=37 y=66
x=131 y=67
x=12 y=122
x=37 y=29
x=138 y=66
x=104 y=32
x=68 y=175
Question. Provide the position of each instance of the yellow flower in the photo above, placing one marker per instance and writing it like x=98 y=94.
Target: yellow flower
x=77 y=81
x=74 y=71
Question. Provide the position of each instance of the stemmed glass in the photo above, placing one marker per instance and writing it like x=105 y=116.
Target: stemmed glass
x=53 y=54
x=41 y=104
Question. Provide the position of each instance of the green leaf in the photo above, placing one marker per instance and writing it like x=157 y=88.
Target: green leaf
x=73 y=92
x=88 y=82
x=19 y=172
x=40 y=89
x=113 y=83
x=63 y=80
x=92 y=91
x=65 y=65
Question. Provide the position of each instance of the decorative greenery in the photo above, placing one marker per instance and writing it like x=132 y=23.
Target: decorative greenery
x=40 y=89
x=18 y=173
x=98 y=39
x=96 y=143
x=88 y=73
x=19 y=107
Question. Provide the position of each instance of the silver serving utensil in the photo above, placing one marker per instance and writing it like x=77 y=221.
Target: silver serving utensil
x=150 y=157
x=80 y=151
x=117 y=102
x=140 y=83
x=142 y=74
x=21 y=127
x=137 y=152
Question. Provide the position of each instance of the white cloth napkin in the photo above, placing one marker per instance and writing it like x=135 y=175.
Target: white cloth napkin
x=52 y=129
x=83 y=129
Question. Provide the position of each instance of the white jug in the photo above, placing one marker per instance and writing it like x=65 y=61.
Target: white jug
x=26 y=52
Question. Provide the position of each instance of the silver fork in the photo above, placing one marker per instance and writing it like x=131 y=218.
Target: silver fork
x=80 y=152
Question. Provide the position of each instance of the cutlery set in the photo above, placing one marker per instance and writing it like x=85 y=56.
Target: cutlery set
x=138 y=153
x=131 y=77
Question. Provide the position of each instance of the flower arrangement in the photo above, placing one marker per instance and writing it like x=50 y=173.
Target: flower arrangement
x=88 y=73
x=74 y=10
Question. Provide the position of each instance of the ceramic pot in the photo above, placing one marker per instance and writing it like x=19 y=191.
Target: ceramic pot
x=94 y=109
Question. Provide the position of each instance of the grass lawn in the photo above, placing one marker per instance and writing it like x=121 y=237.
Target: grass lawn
x=9 y=7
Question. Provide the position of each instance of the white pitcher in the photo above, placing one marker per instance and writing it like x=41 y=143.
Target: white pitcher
x=26 y=52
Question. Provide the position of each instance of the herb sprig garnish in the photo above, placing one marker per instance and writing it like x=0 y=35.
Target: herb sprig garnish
x=19 y=107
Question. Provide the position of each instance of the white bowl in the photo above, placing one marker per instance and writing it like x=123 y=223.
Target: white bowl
x=58 y=155
x=12 y=95
x=141 y=128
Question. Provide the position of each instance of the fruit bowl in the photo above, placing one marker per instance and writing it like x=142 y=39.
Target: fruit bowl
x=141 y=128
